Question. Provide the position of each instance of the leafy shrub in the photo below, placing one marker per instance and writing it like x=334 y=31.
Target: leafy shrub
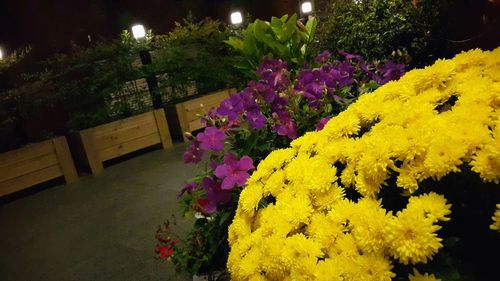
x=14 y=58
x=11 y=134
x=194 y=52
x=84 y=86
x=284 y=38
x=377 y=28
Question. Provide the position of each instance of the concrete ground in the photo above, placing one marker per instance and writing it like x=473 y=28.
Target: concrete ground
x=100 y=228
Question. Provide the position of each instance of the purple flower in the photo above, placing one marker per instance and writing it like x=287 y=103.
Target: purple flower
x=311 y=83
x=256 y=120
x=226 y=108
x=347 y=74
x=390 y=71
x=234 y=172
x=193 y=154
x=269 y=66
x=369 y=71
x=274 y=73
x=351 y=56
x=215 y=194
x=338 y=99
x=279 y=105
x=248 y=96
x=321 y=124
x=211 y=139
x=285 y=126
x=287 y=129
x=323 y=57
x=188 y=187
x=266 y=91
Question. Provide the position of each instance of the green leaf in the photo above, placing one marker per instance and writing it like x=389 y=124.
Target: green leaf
x=260 y=29
x=290 y=27
x=235 y=43
x=311 y=25
x=224 y=217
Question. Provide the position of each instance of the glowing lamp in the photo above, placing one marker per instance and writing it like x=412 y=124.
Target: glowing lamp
x=236 y=18
x=138 y=31
x=306 y=7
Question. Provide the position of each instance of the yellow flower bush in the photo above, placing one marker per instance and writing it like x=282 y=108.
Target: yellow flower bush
x=294 y=220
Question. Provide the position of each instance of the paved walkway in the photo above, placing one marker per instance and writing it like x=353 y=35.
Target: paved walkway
x=100 y=228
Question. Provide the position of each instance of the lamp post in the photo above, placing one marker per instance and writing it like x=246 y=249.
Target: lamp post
x=139 y=33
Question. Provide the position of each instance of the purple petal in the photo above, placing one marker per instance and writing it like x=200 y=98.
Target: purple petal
x=241 y=178
x=245 y=163
x=321 y=124
x=228 y=183
x=230 y=160
x=223 y=171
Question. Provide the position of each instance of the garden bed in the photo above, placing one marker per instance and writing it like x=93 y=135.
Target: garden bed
x=34 y=164
x=121 y=137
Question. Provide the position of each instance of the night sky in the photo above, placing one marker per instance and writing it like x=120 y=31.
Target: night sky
x=50 y=25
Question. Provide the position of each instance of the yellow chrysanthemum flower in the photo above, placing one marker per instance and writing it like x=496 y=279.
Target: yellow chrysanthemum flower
x=412 y=237
x=431 y=123
x=416 y=276
x=431 y=205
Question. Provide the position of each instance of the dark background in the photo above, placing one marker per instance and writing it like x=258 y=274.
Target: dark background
x=51 y=26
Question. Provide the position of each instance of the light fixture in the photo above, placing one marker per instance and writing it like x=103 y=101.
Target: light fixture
x=138 y=31
x=236 y=18
x=306 y=7
x=1 y=54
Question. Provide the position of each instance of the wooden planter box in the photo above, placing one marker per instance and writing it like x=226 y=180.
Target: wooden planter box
x=118 y=138
x=189 y=111
x=34 y=164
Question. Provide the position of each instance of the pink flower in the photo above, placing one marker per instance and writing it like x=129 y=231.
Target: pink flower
x=211 y=139
x=234 y=172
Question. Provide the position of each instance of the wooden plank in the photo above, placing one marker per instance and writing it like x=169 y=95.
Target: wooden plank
x=28 y=180
x=162 y=125
x=26 y=153
x=206 y=101
x=28 y=166
x=130 y=146
x=93 y=159
x=202 y=110
x=121 y=124
x=188 y=112
x=183 y=122
x=196 y=113
x=123 y=135
x=65 y=160
x=195 y=125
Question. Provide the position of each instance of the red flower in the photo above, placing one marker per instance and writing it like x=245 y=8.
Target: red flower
x=164 y=252
x=205 y=206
